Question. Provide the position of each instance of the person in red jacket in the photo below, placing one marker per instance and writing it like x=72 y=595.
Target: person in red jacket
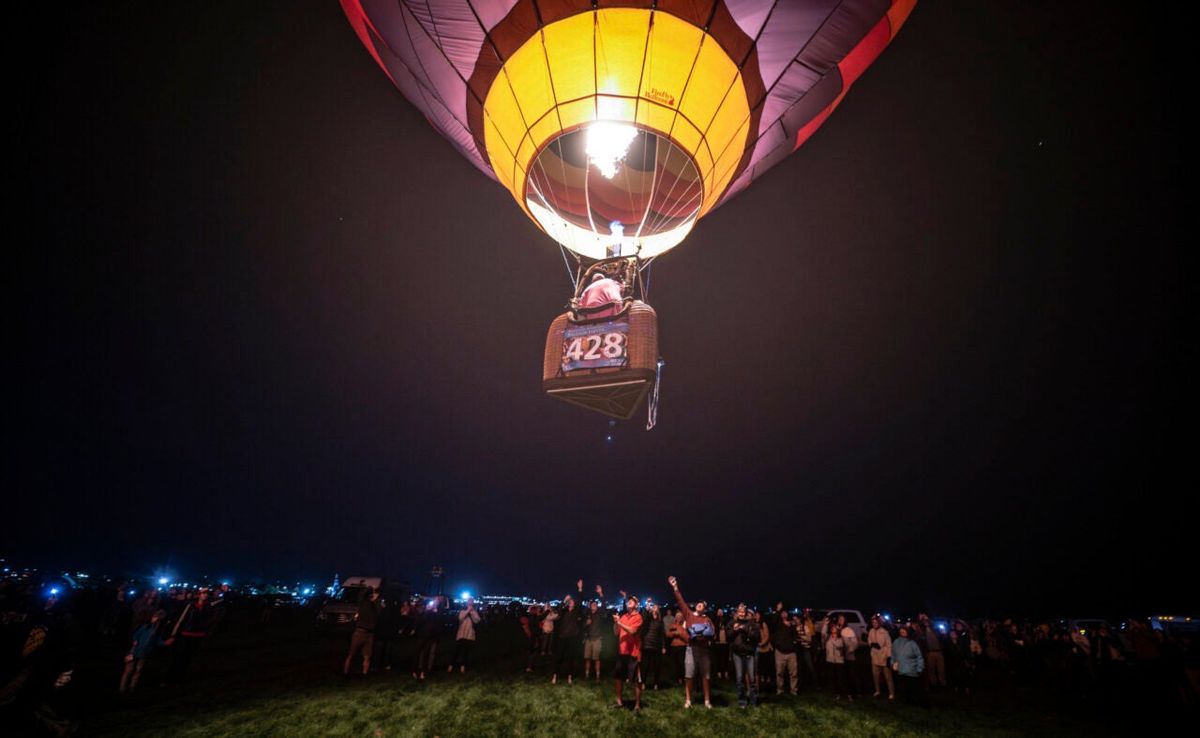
x=697 y=661
x=629 y=652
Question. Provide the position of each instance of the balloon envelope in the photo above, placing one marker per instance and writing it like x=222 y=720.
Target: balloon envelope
x=620 y=123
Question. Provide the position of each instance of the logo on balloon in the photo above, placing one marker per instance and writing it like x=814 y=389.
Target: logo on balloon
x=659 y=96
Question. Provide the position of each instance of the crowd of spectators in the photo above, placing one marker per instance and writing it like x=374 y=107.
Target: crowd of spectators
x=155 y=635
x=784 y=651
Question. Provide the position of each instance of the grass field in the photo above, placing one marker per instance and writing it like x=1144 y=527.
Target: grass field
x=287 y=683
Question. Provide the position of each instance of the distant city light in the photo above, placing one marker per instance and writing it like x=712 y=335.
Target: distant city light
x=163 y=581
x=465 y=595
x=54 y=590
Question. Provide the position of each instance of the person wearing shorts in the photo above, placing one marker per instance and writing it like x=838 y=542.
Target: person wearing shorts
x=593 y=623
x=363 y=639
x=697 y=663
x=629 y=653
x=591 y=653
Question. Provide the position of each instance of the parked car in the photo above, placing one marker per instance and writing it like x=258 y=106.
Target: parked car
x=339 y=610
x=854 y=619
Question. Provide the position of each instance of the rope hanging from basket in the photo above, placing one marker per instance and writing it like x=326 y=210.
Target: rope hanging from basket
x=652 y=403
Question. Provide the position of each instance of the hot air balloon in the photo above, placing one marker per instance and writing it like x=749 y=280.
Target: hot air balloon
x=617 y=125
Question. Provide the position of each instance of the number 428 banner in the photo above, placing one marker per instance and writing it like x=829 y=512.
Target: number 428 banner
x=594 y=346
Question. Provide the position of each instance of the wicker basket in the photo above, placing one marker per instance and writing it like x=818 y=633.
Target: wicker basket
x=615 y=390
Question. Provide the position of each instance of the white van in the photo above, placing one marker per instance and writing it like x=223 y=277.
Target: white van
x=339 y=610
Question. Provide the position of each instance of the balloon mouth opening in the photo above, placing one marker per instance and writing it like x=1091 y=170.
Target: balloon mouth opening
x=610 y=188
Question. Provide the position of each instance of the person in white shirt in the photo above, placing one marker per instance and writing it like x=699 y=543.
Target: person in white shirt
x=465 y=638
x=880 y=642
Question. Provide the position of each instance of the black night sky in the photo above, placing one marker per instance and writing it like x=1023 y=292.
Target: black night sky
x=265 y=322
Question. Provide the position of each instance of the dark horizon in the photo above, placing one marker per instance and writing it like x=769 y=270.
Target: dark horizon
x=271 y=323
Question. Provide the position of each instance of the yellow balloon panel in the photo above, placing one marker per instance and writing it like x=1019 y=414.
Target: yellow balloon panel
x=726 y=164
x=620 y=44
x=670 y=55
x=571 y=62
x=577 y=112
x=637 y=66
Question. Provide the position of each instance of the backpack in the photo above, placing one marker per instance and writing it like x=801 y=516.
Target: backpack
x=702 y=630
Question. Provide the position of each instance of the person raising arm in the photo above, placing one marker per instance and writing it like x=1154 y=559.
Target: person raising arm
x=629 y=652
x=697 y=663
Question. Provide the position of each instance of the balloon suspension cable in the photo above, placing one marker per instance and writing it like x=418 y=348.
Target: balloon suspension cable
x=652 y=404
x=646 y=281
x=572 y=276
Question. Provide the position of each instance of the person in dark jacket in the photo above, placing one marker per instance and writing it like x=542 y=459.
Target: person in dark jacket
x=429 y=629
x=960 y=662
x=190 y=630
x=391 y=616
x=743 y=635
x=783 y=638
x=654 y=646
x=595 y=620
x=568 y=630
x=720 y=645
x=366 y=621
x=1107 y=661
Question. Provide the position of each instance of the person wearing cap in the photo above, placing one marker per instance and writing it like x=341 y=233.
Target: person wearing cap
x=744 y=634
x=604 y=290
x=697 y=662
x=629 y=653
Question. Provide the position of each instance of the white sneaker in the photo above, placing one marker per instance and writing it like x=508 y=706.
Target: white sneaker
x=686 y=705
x=708 y=705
